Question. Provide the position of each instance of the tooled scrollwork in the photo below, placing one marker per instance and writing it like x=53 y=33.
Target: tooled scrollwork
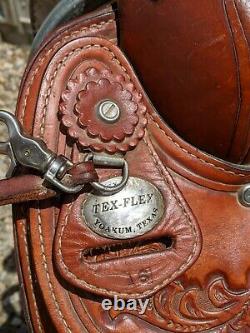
x=198 y=309
x=180 y=308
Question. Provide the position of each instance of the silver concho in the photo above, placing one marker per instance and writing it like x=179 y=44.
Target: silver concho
x=132 y=212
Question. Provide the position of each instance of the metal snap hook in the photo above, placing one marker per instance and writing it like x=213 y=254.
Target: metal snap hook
x=109 y=161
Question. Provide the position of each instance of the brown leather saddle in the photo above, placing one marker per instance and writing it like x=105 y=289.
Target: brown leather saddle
x=141 y=192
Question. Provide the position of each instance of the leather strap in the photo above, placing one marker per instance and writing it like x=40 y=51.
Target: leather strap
x=32 y=187
x=200 y=284
x=23 y=188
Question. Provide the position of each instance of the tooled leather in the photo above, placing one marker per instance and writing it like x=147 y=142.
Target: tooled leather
x=102 y=27
x=89 y=86
x=75 y=55
x=180 y=309
x=229 y=306
x=73 y=238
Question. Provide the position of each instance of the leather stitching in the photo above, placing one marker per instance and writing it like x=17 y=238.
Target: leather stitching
x=31 y=280
x=55 y=46
x=41 y=61
x=242 y=156
x=67 y=328
x=61 y=63
x=193 y=155
x=162 y=284
x=42 y=126
x=99 y=26
x=51 y=288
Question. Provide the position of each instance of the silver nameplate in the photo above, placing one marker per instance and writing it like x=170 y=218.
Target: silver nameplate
x=132 y=212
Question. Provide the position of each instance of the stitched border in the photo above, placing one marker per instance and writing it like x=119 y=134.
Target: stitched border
x=99 y=26
x=60 y=65
x=55 y=46
x=42 y=59
x=42 y=126
x=162 y=284
x=40 y=62
x=191 y=154
x=45 y=264
x=31 y=280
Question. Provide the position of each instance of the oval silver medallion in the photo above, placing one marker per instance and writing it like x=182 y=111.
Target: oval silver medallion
x=132 y=212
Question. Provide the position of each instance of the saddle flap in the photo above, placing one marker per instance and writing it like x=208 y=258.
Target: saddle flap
x=84 y=84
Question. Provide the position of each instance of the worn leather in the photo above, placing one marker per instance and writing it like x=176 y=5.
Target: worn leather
x=23 y=188
x=201 y=282
x=202 y=62
x=200 y=77
x=31 y=187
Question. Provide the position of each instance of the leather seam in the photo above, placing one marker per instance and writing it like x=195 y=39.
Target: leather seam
x=31 y=281
x=157 y=287
x=193 y=155
x=238 y=73
x=67 y=328
x=42 y=127
x=242 y=156
x=90 y=318
x=43 y=58
x=157 y=162
x=61 y=63
x=24 y=196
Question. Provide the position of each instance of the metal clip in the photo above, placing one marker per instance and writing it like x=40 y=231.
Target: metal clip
x=33 y=153
x=109 y=161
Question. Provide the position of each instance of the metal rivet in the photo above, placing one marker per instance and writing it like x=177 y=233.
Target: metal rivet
x=27 y=153
x=244 y=196
x=109 y=111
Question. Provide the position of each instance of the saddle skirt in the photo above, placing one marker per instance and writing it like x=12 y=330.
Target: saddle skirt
x=177 y=234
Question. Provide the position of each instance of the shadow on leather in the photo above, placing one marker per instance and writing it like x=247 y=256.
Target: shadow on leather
x=11 y=302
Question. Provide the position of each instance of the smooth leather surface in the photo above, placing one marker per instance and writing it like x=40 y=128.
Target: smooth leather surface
x=201 y=283
x=193 y=60
x=202 y=62
x=31 y=187
x=23 y=188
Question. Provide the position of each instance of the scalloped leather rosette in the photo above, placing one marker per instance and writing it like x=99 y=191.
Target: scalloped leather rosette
x=79 y=111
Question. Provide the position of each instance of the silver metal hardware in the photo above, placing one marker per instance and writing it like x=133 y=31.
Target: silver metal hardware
x=132 y=212
x=53 y=175
x=33 y=153
x=244 y=196
x=109 y=111
x=109 y=161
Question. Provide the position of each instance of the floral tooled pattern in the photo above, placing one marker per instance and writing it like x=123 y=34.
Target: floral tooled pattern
x=79 y=111
x=215 y=308
x=202 y=309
